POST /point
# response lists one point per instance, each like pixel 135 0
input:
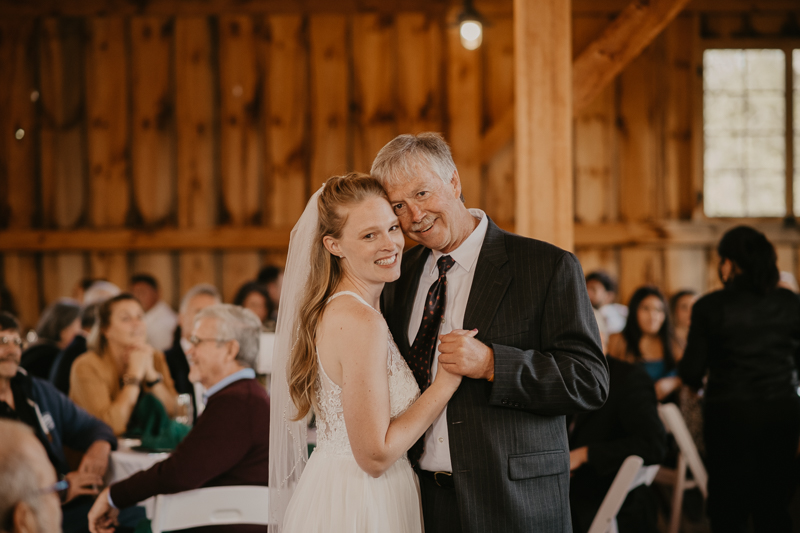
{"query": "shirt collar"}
pixel 245 373
pixel 466 255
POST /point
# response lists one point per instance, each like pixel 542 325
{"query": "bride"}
pixel 344 363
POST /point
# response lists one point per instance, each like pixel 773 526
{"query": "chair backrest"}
pixel 605 519
pixel 674 423
pixel 245 504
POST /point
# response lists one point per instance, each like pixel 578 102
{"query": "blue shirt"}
pixel 245 373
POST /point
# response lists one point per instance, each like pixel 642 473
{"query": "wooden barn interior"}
pixel 182 138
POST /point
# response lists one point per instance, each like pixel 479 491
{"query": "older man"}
pixel 29 489
pixel 195 300
pixel 229 444
pixel 497 458
pixel 56 422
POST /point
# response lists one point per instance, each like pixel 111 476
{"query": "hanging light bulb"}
pixel 470 27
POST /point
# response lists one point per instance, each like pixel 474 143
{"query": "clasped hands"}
pixel 462 354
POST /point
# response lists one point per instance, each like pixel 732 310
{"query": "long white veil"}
pixel 288 451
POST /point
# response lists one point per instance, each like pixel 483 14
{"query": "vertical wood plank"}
pixel 17 164
pixel 639 266
pixel 606 259
pixel 685 269
pixel 375 76
pixel 107 108
pixel 286 92
pixel 238 268
pixel 419 79
pixel 712 269
pixel 61 90
pixel 464 111
pixel 195 127
pixel 595 184
pixel 498 191
pixel 160 265
pixel 111 266
pixel 153 118
pixel 240 152
pixel 641 124
pixel 60 273
pixel 329 101
pixel 196 267
pixel 786 258
pixel 543 125
pixel 678 138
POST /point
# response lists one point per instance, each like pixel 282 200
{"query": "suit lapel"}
pixel 490 282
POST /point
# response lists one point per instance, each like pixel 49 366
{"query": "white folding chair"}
pixel 630 475
pixel 688 456
pixel 246 504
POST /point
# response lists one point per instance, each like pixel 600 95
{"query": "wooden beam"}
pixel 624 39
pixel 543 131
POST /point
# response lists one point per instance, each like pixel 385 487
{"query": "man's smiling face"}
pixel 428 208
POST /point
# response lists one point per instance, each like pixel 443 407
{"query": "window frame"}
pixel 787 45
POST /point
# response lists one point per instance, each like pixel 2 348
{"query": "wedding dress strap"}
pixel 354 295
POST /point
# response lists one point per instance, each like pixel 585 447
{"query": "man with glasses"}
pixel 56 422
pixel 28 488
pixel 229 443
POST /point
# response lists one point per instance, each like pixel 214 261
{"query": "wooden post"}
pixel 543 140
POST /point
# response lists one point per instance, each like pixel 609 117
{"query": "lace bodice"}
pixel 331 431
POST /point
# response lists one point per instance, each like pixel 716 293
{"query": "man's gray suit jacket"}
pixel 508 439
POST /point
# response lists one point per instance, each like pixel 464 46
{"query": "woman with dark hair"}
pixel 253 296
pixel 108 379
pixel 746 337
pixel 57 327
pixel 680 308
pixel 647 340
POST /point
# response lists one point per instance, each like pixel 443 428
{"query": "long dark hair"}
pixel 755 256
pixel 633 331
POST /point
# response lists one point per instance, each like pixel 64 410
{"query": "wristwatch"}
pixel 151 384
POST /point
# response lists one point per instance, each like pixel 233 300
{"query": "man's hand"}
pixel 81 483
pixel 102 517
pixel 95 460
pixel 460 353
pixel 578 457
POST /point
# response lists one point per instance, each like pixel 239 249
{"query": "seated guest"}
pixel 602 291
pixel 229 444
pixel 195 300
pixel 80 288
pixel 680 307
pixel 56 328
pixel 159 317
pixel 628 424
pixel 253 296
pixel 56 422
pixel 647 340
pixel 108 379
pixel 62 365
pixel 29 492
pixel 100 291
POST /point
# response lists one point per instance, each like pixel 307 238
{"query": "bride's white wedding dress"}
pixel 334 494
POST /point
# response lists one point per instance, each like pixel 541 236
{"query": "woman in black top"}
pixel 747 338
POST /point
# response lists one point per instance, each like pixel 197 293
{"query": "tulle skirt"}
pixel 334 495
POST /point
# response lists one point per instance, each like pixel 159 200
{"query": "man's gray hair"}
pixel 202 288
pixel 239 324
pixel 405 155
pixel 18 478
pixel 99 292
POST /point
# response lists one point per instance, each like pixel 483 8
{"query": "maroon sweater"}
pixel 229 445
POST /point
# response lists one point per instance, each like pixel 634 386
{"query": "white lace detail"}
pixel 331 431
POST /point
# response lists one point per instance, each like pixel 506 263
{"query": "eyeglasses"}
pixel 11 341
pixel 195 340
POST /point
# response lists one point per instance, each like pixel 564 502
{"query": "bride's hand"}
pixel 447 379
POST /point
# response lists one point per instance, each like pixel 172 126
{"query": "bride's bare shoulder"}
pixel 348 319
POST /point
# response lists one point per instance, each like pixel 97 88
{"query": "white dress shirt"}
pixel 436 457
pixel 161 321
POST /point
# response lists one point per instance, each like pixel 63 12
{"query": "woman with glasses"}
pixel 108 379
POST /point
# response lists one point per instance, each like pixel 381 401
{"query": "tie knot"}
pixel 445 263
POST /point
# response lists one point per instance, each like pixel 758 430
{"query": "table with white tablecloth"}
pixel 125 462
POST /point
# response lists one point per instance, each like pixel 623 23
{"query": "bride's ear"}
pixel 332 245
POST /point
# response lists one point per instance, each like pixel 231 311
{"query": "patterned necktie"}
pixel 424 347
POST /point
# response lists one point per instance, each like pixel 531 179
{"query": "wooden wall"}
pixel 186 145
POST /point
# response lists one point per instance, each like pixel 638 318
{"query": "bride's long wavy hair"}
pixel 326 274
